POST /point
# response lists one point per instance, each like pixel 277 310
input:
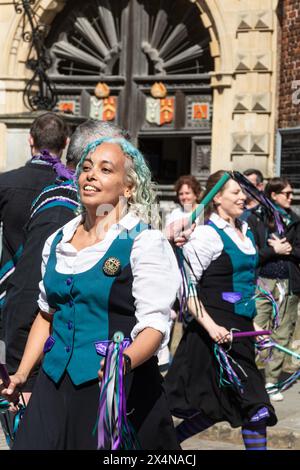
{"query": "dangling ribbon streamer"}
pixel 227 375
pixel 188 289
pixel 183 297
pixel 284 384
pixel 265 293
pixel 186 284
pixel 269 343
pixel 261 198
pixel 114 430
pixel 10 429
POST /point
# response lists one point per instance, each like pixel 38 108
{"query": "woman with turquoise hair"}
pixel 109 281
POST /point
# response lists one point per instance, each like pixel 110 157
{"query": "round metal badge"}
pixel 118 337
pixel 112 266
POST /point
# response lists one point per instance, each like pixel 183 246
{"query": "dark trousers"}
pixel 59 416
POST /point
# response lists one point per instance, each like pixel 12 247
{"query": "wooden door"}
pixel 130 45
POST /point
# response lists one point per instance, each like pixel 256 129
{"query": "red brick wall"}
pixel 289 90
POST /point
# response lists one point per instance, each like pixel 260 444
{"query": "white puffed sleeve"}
pixel 42 300
pixel 156 280
pixel 203 247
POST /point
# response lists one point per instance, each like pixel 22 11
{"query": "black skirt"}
pixel 193 381
pixel 63 416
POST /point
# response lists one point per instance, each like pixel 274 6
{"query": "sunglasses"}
pixel 287 193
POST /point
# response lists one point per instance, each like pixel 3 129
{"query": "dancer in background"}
pixel 222 258
pixel 188 192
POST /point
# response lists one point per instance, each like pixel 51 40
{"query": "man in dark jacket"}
pixel 18 188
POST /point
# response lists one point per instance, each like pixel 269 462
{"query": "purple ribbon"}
pixel 60 169
pixel 260 197
pixel 112 437
pixel 48 344
pixel 243 334
pixel 232 297
pixel 102 346
pixel 262 413
pixel 225 367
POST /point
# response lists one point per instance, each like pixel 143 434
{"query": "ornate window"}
pixel 131 48
pixel 90 38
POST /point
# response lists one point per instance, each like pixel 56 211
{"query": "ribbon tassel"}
pixel 227 375
pixel 114 430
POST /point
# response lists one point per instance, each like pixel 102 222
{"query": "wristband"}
pixel 126 364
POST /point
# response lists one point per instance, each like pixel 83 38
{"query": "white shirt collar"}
pixel 222 224
pixel 127 222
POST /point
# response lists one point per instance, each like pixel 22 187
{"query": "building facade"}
pixel 288 133
pixel 194 81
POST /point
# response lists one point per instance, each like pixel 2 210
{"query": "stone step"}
pixel 278 437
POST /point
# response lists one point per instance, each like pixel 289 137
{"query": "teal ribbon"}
pixel 200 208
pixel 264 294
pixel 4 409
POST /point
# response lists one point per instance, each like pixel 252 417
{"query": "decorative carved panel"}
pixel 259 144
pixel 261 103
pixel 262 62
pixel 256 103
pixel 244 21
pixel 248 143
pixel 240 143
pixel 259 20
pixel 242 103
pixel 243 62
pixel 263 20
pixel 201 155
pixel 249 61
pixel 198 111
pixel 68 104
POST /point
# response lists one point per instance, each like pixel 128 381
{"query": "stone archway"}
pixel 16 50
pixel 243 46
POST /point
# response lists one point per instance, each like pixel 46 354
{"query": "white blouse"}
pixel 205 245
pixel 156 276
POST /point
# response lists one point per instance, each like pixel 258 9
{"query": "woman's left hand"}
pixel 101 370
pixel 179 231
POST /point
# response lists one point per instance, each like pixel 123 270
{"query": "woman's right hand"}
pixel 101 370
pixel 219 334
pixel 12 392
pixel 280 245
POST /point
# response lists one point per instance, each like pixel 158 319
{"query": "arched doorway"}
pixel 154 57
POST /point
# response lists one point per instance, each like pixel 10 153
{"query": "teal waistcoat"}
pixel 229 283
pixel 90 307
